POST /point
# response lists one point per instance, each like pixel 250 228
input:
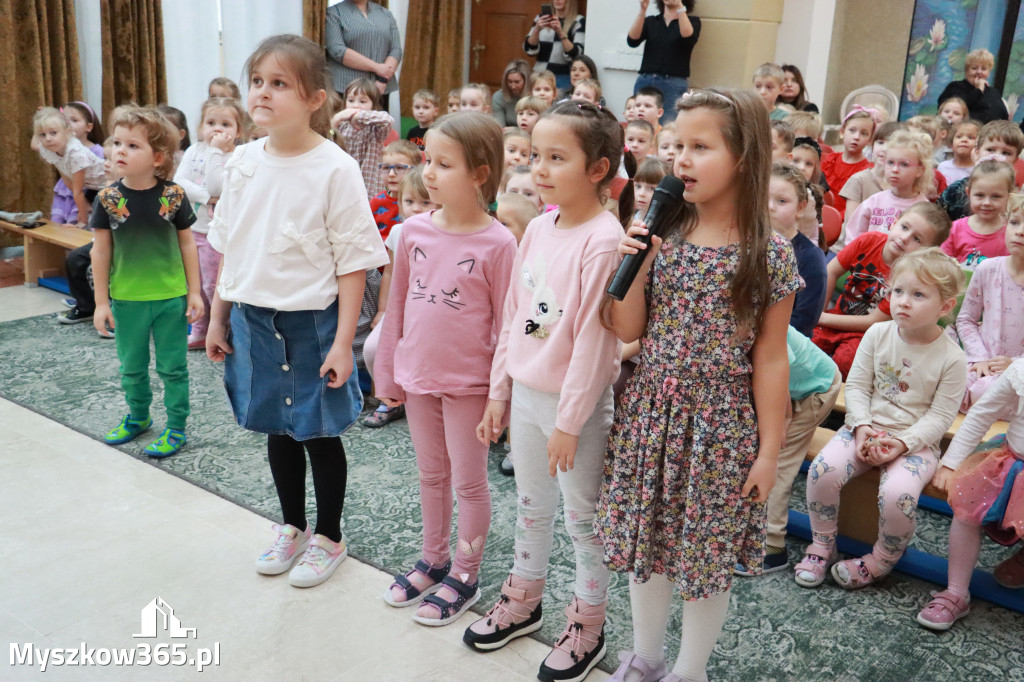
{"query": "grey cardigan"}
pixel 375 36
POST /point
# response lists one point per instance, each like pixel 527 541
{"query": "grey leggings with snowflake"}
pixel 901 484
pixel 532 422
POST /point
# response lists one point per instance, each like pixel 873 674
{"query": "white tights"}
pixel 702 623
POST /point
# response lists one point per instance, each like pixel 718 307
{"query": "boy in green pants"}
pixel 146 272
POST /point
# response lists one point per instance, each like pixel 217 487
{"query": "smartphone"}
pixel 546 10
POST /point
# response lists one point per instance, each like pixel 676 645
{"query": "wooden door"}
pixel 497 31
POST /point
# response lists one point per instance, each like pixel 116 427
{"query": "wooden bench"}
pixel 46 247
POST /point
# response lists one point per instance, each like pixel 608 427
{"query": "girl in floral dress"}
pixel 694 447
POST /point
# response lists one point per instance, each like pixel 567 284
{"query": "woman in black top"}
pixel 984 102
pixel 670 36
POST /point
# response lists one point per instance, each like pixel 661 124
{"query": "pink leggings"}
pixel 209 263
pixel 443 429
pixel 903 479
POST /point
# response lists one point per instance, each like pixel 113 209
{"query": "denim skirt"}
pixel 273 376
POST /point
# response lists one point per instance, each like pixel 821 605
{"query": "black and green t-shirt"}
pixel 146 262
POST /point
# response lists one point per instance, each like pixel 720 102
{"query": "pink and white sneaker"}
pixel 288 546
pixel 321 559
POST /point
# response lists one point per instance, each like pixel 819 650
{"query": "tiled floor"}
pixel 90 536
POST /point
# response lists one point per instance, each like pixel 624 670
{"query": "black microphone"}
pixel 668 192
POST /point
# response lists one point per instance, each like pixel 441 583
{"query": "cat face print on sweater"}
pixel 544 308
pixel 421 290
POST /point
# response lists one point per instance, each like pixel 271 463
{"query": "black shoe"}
pixel 506 467
pixel 74 316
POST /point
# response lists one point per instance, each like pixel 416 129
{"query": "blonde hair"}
pixel 859 113
pixel 479 135
pixel 936 218
pixel 427 96
pixel 515 132
pixel 225 82
pixel 981 57
pixel 412 184
pixel 770 70
pixel 522 209
pixel 241 119
pixel 933 267
pixel 926 124
pixel 956 100
pixel 589 83
pixel 406 149
pixel 48 114
pixel 1015 204
pixel 534 104
pixel 990 168
pixel 307 62
pixel 161 135
pixel 479 87
pixel 807 121
pixel 921 146
pixel 544 76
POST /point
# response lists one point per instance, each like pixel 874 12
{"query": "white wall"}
pixel 608 22
pixel 805 39
pixel 192 55
pixel 87 20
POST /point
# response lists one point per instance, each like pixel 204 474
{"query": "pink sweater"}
pixel 877 213
pixel 445 312
pixel 970 248
pixel 552 339
pixel 991 319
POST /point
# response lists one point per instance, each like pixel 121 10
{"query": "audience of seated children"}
pixel 399 158
pixel 426 107
pixel 79 168
pixel 475 97
pixel 84 125
pixel 981 235
pixel 201 175
pixel 528 111
pixel 767 81
pixel 908 172
pixel 814 386
pixel 517 148
pixel 666 143
pixel 964 142
pixel 901 396
pixel 649 105
pixel 787 199
pixel 587 90
pixel 868 260
pixel 991 319
pixel 222 86
pixel 363 127
pixel 869 181
pixel 453 100
pixel 998 140
pixel 984 491
pixel 412 200
pixel 640 139
pixel 519 180
pixel 782 140
pixel 515 212
pixel 857 130
pixel 544 86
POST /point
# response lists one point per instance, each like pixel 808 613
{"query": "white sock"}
pixel 650 603
pixel 702 624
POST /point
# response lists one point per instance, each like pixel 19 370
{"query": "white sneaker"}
pixel 288 547
pixel 319 562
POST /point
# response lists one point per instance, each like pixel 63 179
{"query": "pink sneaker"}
pixel 943 610
pixel 321 559
pixel 811 570
pixel 516 613
pixel 854 574
pixel 1010 573
pixel 579 648
pixel 288 546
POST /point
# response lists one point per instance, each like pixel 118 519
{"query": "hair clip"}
pixel 875 114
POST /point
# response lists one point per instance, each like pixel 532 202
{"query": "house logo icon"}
pixel 158 615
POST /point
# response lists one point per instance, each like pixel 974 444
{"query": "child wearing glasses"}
pixel 363 128
pixel 400 157
pixel 908 170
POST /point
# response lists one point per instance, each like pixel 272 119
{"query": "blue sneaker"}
pixel 127 430
pixel 772 563
pixel 169 442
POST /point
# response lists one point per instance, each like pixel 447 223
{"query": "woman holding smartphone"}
pixel 670 36
pixel 556 39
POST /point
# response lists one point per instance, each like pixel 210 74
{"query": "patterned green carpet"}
pixel 776 630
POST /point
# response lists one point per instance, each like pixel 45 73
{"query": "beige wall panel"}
pixel 730 50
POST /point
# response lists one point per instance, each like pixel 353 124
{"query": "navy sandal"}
pixel 412 594
pixel 451 611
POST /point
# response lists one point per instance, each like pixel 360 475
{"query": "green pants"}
pixel 134 321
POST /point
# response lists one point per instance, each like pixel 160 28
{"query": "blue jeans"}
pixel 671 89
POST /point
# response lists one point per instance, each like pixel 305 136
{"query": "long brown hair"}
pixel 306 61
pixel 747 134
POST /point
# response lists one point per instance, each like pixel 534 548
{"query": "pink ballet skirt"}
pixel 988 491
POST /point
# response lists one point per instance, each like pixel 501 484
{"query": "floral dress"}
pixel 685 431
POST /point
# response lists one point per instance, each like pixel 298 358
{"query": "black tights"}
pixel 330 474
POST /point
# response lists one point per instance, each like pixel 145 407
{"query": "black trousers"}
pixel 79 267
